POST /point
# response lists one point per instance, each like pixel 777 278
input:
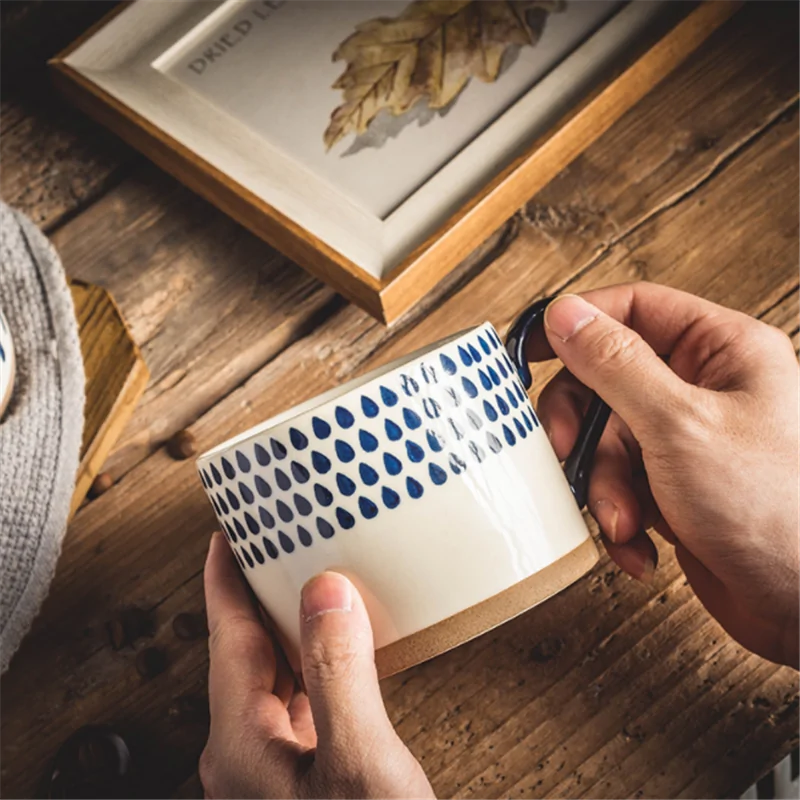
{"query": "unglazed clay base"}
pixel 480 618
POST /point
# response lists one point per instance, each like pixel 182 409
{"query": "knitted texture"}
pixel 41 430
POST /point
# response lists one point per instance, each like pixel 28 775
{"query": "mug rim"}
pixel 335 394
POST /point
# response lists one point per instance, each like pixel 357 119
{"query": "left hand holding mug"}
pixel 268 738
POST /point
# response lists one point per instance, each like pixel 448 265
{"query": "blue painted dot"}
pixel 448 365
pixel 240 529
pixel 410 386
pixel 345 484
pixel 286 543
pixel 367 441
pixel 344 417
pixel 388 396
pixel 534 418
pixel 284 512
pixel 486 381
pixel 321 428
pixel 469 387
pixel 233 500
pixel 473 351
pixel 262 487
pixel 511 397
pixel 526 420
pixel 243 461
pixel 345 518
pixel 484 346
pixel 411 419
pixel 435 442
pixel 495 339
pixel 368 509
pixel 278 449
pixel 414 488
pixel 299 440
pixel 520 428
pixel 368 474
pixel 502 367
pixel 390 497
pixel 457 464
pixel 248 558
pixel 432 408
pixel 302 505
pixel 320 462
pixel 228 469
pixel 215 474
pixel 247 493
pixel 429 374
pixel 488 409
pixel 457 430
pixel 300 473
pixel 522 396
pixel 325 528
pixel 510 438
pixel 369 407
pixel 266 518
pixel 251 523
pixel 494 443
pixel 344 451
pixel 262 456
pixel 204 479
pixel 493 375
pixel 269 546
pixel 304 536
pixel 231 532
pixel 474 419
pixel 240 560
pixel 466 358
pixel 256 553
pixel 415 452
pixel 324 496
pixel 393 464
pixel 216 507
pixel 222 504
pixel 393 430
pixel 477 452
pixel 502 405
pixel 282 479
pixel 438 475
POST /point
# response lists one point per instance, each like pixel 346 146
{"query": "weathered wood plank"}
pixel 786 316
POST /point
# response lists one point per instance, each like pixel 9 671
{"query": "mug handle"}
pixel 579 461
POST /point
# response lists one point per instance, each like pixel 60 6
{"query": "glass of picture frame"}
pixel 375 142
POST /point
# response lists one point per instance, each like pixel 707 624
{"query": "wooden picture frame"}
pixel 531 156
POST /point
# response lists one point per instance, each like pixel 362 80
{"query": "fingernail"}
pixel 607 515
pixel 568 314
pixel 325 593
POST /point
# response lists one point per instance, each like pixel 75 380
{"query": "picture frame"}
pixel 386 248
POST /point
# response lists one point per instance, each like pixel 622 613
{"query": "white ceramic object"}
pixel 429 482
pixel 7 364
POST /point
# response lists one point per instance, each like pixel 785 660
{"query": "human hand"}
pixel 703 446
pixel 268 738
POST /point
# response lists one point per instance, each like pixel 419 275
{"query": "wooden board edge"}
pixel 212 184
pixel 545 158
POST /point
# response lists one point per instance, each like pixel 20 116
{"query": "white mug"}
pixel 429 482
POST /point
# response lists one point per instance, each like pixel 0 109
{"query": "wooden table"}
pixel 612 688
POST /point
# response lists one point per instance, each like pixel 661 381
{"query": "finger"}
pixel 302 721
pixel 638 557
pixel 339 669
pixel 647 504
pixel 561 407
pixel 242 658
pixel 617 363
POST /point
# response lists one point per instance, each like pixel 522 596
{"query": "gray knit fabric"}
pixel 40 433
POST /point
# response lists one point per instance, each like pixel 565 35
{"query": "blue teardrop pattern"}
pixel 393 430
pixel 511 397
pixel 246 493
pixel 344 452
pixel 488 409
pixel 222 504
pixel 242 533
pixel 256 553
pixel 217 509
pixel 414 488
pixel 474 419
pixel 298 439
pixel 243 461
pixel 411 419
pixel 344 417
pixel 321 428
pixel 390 497
pixel 304 536
pixel 215 474
pixel 493 375
pixel 388 397
pixel 409 386
pixel 486 381
pixel 435 442
pixel 367 508
pixel 231 532
pixel 324 528
pixel 345 518
pixel 476 356
pixel 494 443
pixel 438 475
pixel 469 387
pixel 414 451
pixel 432 409
pixel 457 430
pixel 367 441
pixel 502 367
pixel 321 463
pixel 457 464
pixel 369 407
pixel 267 520
pixel 454 396
pixel 448 365
pixel 240 560
pixel 228 469
pixel 302 505
pixel 251 523
pixel 286 543
pixel 484 346
pixel 278 449
pixel 269 546
pixel 368 474
pixel 534 418
pixel 510 438
pixel 262 487
pixel 477 451
pixel 233 500
pixel 465 357
pixel 323 494
pixel 282 479
pixel 502 405
pixel 248 558
pixel 393 464
pixel 522 396
pixel 526 420
pixel 520 429
pixel 284 512
pixel 299 472
pixel 346 485
pixel 262 456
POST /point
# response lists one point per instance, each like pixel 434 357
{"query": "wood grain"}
pixel 609 689
pixel 116 376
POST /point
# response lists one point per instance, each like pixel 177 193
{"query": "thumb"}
pixel 616 362
pixel 339 672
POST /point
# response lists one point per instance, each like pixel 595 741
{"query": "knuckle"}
pixel 615 347
pixel 330 662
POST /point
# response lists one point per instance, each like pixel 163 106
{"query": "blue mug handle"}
pixel 579 461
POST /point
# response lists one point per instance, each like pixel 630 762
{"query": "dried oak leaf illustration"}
pixel 431 50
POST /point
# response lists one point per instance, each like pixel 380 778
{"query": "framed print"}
pixel 375 142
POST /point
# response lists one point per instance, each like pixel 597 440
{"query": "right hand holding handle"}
pixel 703 446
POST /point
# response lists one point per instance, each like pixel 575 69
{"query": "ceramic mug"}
pixel 7 364
pixel 429 482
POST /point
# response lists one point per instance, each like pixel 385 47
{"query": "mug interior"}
pixel 333 394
